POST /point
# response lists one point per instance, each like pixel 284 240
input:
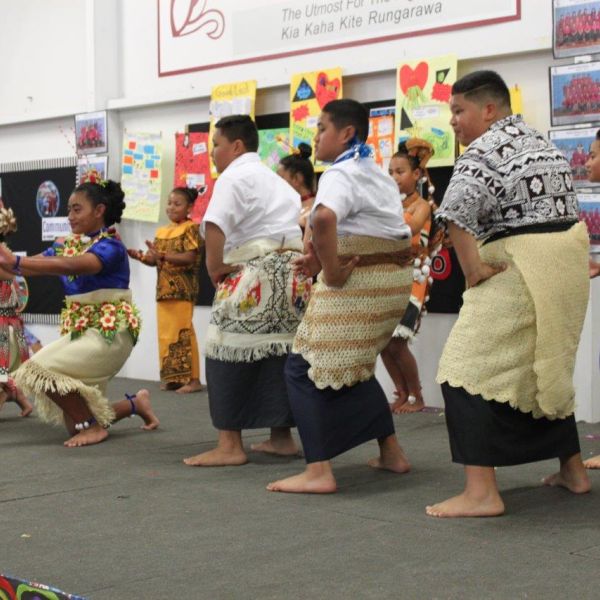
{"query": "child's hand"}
pixel 217 275
pixel 308 264
pixel 338 277
pixel 155 255
pixel 136 254
pixel 484 272
pixel 594 269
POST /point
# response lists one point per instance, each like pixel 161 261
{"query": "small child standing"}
pixel 361 246
pixel 408 167
pixel 175 253
pixel 252 236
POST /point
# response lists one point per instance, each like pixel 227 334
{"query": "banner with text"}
pixel 309 93
pixel 194 36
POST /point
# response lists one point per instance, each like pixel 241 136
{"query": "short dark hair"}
pixel 239 127
pixel 481 85
pixel 189 194
pixel 300 163
pixel 349 112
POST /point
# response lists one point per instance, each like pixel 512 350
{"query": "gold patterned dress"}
pixel 176 292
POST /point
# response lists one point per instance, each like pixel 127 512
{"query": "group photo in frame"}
pixel 575 27
pixel 589 212
pixel 575 93
pixel 91 133
pixel 575 145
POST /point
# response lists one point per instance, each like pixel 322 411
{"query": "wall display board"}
pixel 141 175
pixel 575 93
pixel 575 145
pixel 192 169
pixel 381 134
pixel 273 145
pixel 423 105
pixel 575 27
pixel 309 93
pixel 230 99
pixel 38 192
pixel 589 211
pixel 196 36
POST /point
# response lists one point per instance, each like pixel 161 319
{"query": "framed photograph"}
pixel 92 163
pixel 575 27
pixel 575 93
pixel 575 145
pixel 589 211
pixel 90 133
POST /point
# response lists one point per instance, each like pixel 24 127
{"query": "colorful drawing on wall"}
pixel 192 169
pixel 230 99
pixel 576 27
pixel 381 134
pixel 90 133
pixel 589 211
pixel 575 93
pixel 575 145
pixel 86 164
pixel 309 93
pixel 423 105
pixel 273 145
pixel 141 175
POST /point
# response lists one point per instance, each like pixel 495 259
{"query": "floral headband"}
pixel 8 222
pixel 93 176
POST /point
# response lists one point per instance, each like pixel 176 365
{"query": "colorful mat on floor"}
pixel 18 589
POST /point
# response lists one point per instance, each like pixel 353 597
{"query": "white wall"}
pixel 139 100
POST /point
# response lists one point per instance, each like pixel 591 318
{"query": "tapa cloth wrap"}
pixel 83 365
pixel 517 333
pixel 344 329
pixel 257 309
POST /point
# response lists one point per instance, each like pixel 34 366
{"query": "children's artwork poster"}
pixel 575 145
pixel 589 211
pixel 273 145
pixel 575 93
pixel 91 133
pixel 423 105
pixel 91 163
pixel 192 169
pixel 141 175
pixel 576 27
pixel 230 99
pixel 381 134
pixel 309 93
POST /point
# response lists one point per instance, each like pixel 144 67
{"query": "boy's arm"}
pixel 215 244
pixel 324 239
pixel 475 270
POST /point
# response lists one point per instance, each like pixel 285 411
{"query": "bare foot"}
pixel 170 387
pixel 574 480
pixel 592 463
pixel 24 404
pixel 416 406
pixel 398 403
pixel 217 458
pixel 190 388
pixel 305 484
pixel 278 447
pixel 144 409
pixel 396 462
pixel 465 505
pixel 94 435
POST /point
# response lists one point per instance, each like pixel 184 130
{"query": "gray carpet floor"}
pixel 126 520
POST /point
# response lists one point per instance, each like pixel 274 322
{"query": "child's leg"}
pixel 391 362
pixel 391 456
pixel 410 370
pixel 229 452
pixel 19 397
pixel 592 463
pixel 572 475
pixel 280 443
pixel 317 478
pixel 193 385
pixel 138 404
pixel 480 497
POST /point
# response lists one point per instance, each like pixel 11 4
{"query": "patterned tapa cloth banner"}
pixel 309 93
pixel 192 169
pixel 141 175
pixel 13 588
pixel 38 192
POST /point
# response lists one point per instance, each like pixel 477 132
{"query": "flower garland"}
pixel 107 318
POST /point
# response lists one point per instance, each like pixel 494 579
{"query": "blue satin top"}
pixel 115 268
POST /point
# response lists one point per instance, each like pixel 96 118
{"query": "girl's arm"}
pixel 324 239
pixel 144 257
pixel 215 244
pixel 416 220
pixel 474 269
pixel 180 259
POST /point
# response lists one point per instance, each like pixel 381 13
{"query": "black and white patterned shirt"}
pixel 509 177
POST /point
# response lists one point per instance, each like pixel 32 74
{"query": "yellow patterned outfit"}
pixel 176 292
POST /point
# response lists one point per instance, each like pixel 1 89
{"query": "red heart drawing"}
pixel 326 90
pixel 409 77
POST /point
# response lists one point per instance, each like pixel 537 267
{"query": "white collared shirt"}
pixel 249 201
pixel 366 201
